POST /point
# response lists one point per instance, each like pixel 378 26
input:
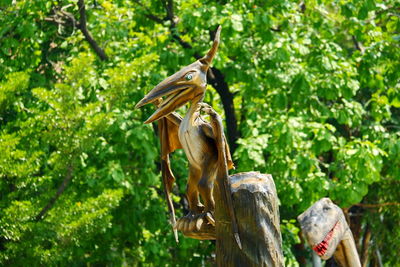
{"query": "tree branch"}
pixel 377 205
pixel 357 44
pixel 149 15
pixel 82 26
pixel 217 80
pixel 60 190
pixel 169 7
pixel 62 17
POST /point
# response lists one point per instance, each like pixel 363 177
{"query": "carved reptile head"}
pixel 185 85
pixel 323 225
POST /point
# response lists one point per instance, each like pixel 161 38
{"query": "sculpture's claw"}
pixel 198 209
pixel 210 218
pixel 198 224
pixel 207 109
pixel 204 105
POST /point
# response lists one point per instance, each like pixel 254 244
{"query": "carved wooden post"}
pixel 257 216
pixel 251 211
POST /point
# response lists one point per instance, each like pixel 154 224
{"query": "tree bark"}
pixel 255 203
pixel 82 26
pixel 62 17
pixel 217 80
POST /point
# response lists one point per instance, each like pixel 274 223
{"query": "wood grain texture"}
pixel 256 208
pixel 255 202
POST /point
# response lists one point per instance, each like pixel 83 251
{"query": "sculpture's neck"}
pixel 193 111
pixel 346 252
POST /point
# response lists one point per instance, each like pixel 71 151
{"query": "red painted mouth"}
pixel 322 247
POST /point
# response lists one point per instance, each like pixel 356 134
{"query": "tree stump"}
pixel 256 210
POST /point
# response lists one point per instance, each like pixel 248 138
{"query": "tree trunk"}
pixel 256 210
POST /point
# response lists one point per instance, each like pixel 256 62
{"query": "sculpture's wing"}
pixel 224 161
pixel 208 131
pixel 168 128
pixel 229 161
pixel 171 122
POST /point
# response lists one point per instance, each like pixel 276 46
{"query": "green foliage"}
pixel 290 233
pixel 316 94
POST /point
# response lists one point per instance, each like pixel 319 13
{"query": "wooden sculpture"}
pixel 202 141
pixel 252 194
pixel 327 232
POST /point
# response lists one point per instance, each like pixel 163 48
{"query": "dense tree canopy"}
pixel 310 91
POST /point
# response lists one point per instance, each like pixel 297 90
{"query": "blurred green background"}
pixel 310 92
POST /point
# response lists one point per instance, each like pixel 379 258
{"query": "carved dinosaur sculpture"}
pixel 204 143
pixel 327 232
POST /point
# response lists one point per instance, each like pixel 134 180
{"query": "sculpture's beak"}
pixel 181 87
pixel 176 91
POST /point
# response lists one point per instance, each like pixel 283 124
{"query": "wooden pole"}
pixel 255 204
pixel 256 210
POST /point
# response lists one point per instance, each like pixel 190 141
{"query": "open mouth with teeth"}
pixel 322 247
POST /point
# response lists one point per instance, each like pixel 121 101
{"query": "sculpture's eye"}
pixel 188 77
pixel 326 208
